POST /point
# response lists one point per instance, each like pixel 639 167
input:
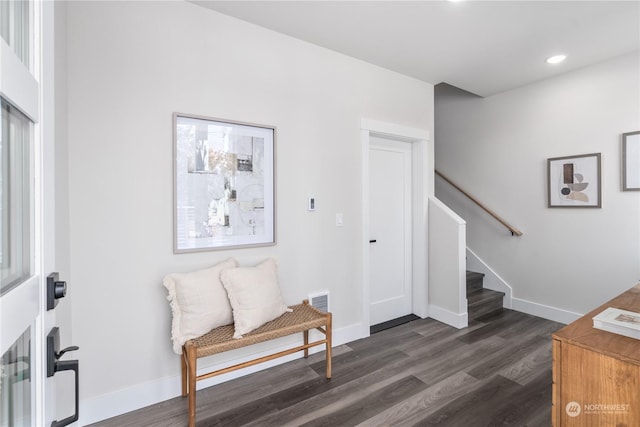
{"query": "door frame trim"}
pixel 422 188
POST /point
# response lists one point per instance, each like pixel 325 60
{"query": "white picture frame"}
pixel 224 184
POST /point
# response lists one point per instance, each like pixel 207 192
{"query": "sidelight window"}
pixel 15 197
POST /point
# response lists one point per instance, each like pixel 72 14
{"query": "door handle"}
pixel 372 241
pixel 69 365
pixel 55 365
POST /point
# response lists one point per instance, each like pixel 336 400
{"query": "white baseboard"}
pixel 544 311
pixel 140 395
pixel 457 320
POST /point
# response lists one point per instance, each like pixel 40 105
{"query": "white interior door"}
pixel 389 229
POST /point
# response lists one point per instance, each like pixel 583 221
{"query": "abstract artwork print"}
pixel 574 181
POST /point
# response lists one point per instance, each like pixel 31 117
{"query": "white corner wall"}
pixel 130 66
pixel 568 260
pixel 447 265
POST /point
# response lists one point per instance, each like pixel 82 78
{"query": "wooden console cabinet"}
pixel 596 374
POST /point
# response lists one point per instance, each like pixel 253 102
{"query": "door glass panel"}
pixel 15 197
pixel 15 383
pixel 14 27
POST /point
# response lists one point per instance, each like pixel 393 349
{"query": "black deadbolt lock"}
pixel 56 289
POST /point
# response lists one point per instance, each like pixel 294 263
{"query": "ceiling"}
pixel 483 47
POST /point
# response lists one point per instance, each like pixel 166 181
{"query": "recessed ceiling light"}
pixel 556 59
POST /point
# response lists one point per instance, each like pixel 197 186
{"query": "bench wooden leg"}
pixel 328 345
pixel 305 334
pixel 183 369
pixel 192 371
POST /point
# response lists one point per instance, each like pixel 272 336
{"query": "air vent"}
pixel 320 300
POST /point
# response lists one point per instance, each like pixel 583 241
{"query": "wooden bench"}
pixel 303 318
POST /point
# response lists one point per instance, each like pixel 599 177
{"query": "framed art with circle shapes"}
pixel 574 181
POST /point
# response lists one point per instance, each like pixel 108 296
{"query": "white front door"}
pixel 26 254
pixel 389 229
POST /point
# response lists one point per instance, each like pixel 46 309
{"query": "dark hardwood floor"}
pixel 497 372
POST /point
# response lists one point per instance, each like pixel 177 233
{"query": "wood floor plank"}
pixel 425 347
pixel 359 361
pixel 531 326
pixel 526 323
pixel 461 359
pixel 435 342
pixel 390 338
pixel 427 327
pixel 372 380
pixel 527 368
pixel 343 373
pixel 250 409
pixel 412 410
pixel 524 403
pixel 494 393
pixel 370 404
pixel 497 323
pixel 541 418
pixel 234 393
pixel 337 398
pixel 507 356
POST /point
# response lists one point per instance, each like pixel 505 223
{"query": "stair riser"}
pixel 474 284
pixel 492 305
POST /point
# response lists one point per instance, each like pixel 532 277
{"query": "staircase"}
pixel 481 301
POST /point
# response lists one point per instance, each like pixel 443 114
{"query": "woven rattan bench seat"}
pixel 302 318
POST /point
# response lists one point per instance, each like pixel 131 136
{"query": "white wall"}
pixel 130 66
pixel 447 266
pixel 569 260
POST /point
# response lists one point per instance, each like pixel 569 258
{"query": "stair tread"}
pixel 482 295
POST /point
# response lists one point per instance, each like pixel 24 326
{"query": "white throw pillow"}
pixel 198 302
pixel 254 294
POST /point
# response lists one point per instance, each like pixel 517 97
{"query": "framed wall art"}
pixel 574 181
pixel 631 161
pixel 224 184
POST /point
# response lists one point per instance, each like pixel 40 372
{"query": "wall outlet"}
pixel 339 220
